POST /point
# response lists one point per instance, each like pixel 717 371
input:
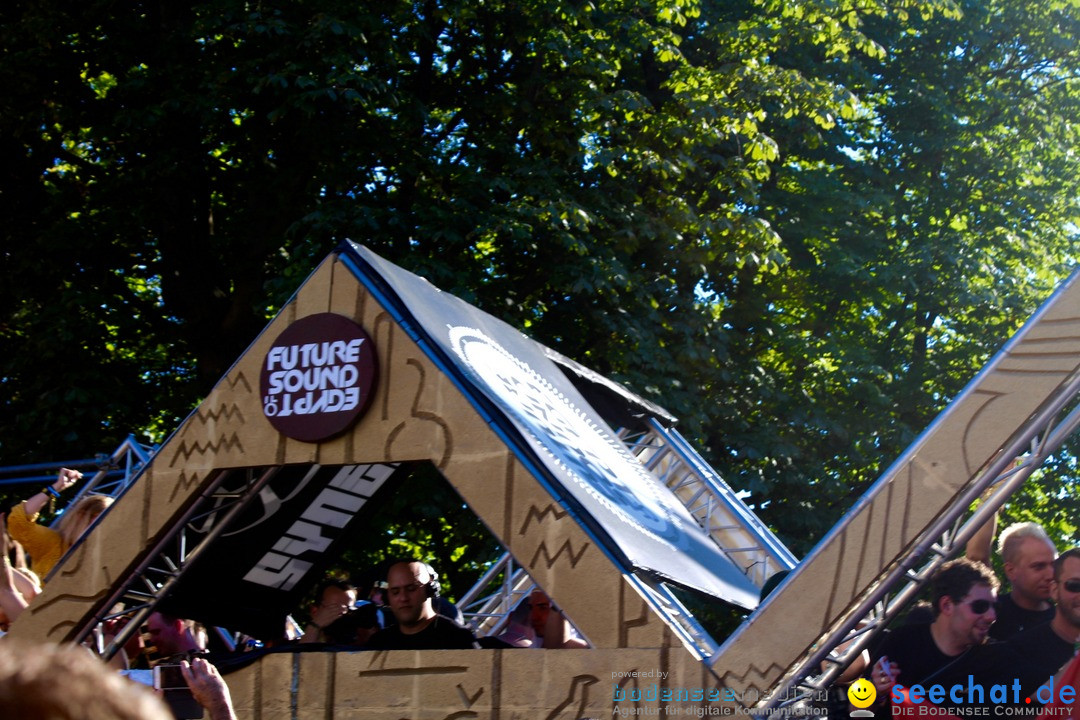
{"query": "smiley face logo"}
pixel 862 693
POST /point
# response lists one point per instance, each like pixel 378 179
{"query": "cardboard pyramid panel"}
pixel 417 413
pixel 932 475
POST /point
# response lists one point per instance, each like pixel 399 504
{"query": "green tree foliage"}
pixel 800 226
pixel 426 520
pixel 921 229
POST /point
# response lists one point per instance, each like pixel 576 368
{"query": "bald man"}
pixel 412 588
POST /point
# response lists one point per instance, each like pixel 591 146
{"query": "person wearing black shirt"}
pixel 412 588
pixel 441 633
pixel 1013 619
pixel 963 608
pixel 1027 556
pixel 1030 658
pixel 913 653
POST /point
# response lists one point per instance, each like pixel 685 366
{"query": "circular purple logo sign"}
pixel 318 377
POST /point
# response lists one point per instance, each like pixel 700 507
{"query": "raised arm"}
pixel 978 548
pixel 65 479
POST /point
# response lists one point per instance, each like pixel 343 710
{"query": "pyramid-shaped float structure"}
pixel 365 372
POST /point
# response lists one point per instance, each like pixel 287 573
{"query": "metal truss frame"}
pixel 161 567
pixel 1036 440
pixel 716 507
pixel 116 472
pixel 112 473
pixel 490 611
pixel 681 621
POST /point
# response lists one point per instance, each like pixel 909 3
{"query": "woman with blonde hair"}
pixel 45 545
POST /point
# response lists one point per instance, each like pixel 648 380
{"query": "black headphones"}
pixel 433 586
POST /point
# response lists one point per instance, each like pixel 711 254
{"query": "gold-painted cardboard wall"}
pixel 1043 356
pixel 517 684
pixel 417 414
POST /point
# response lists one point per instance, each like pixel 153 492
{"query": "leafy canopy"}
pixel 799 226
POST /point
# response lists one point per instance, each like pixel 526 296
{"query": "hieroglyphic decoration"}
pixel 633 613
pixel 230 414
pixel 223 442
pixel 513 684
pixel 575 702
pixel 543 556
pixel 539 514
pixel 418 414
pixel 384 331
pixel 549 559
pixel 455 684
pixel 234 381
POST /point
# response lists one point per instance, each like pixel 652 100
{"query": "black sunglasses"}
pixel 981 606
pixel 1072 586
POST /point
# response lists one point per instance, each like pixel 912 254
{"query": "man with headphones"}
pixel 412 588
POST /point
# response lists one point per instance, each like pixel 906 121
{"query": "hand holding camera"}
pixel 188 688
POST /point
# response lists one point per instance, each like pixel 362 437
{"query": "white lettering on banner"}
pixel 333 507
pixel 314 354
pixel 321 510
pixel 336 376
pixel 278 571
pixel 362 479
pixel 301 537
pixel 308 404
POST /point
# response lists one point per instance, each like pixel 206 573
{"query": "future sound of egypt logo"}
pixel 318 377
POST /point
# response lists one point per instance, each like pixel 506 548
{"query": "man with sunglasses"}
pixel 1029 658
pixel 963 608
pixel 1039 652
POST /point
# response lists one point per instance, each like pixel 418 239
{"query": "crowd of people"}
pixel 998 648
pixel 405 610
pixel 967 632
pixel 409 612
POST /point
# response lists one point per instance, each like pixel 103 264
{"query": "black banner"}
pixel 275 551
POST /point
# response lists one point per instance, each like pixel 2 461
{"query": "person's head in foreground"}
pixel 67 682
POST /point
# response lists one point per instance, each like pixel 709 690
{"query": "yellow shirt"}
pixel 42 544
